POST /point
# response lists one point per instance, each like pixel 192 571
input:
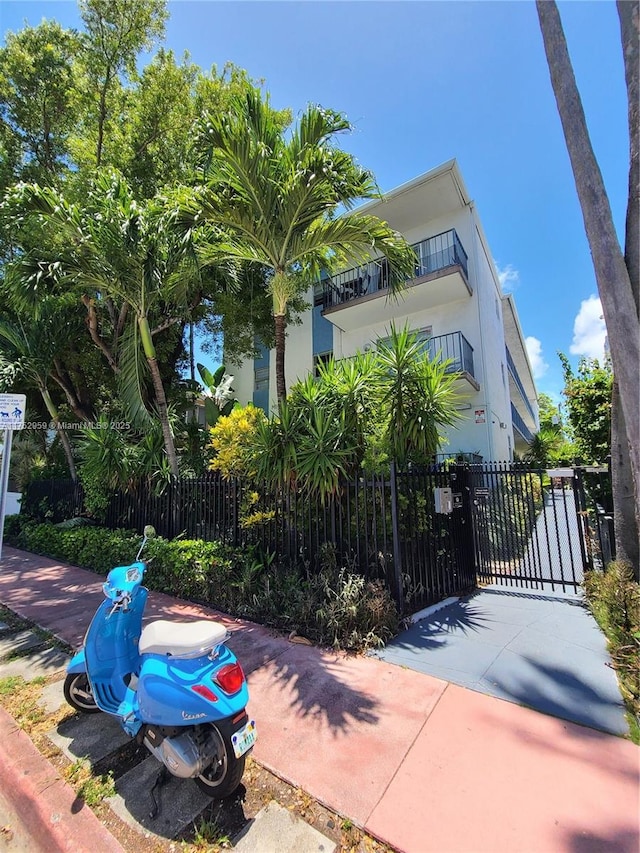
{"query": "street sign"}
pixel 12 408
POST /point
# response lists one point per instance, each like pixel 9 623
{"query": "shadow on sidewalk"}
pixel 336 690
pixel 431 633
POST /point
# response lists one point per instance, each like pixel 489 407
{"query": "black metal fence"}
pixel 53 500
pixel 498 523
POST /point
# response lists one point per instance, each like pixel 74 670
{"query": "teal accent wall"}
pixel 261 395
pixel 322 332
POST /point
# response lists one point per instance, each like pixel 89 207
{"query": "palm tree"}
pixel 274 192
pixel 119 252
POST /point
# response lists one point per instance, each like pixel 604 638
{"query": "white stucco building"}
pixel 455 301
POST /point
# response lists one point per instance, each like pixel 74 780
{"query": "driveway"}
pixel 538 649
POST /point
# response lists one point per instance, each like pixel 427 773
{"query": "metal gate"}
pixel 533 528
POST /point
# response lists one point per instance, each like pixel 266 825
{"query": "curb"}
pixel 55 818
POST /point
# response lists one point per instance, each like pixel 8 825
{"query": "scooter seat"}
pixel 181 639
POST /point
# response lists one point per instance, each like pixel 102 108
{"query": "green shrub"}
pixel 614 599
pixel 194 569
pixel 334 607
pixel 91 547
pixel 13 526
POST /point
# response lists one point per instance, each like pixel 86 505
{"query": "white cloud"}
pixel 508 276
pixel 534 350
pixel 589 331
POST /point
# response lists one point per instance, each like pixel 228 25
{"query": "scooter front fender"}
pixel 77 663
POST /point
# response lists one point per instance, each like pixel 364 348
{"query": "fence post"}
pixel 584 526
pixel 466 541
pixel 397 556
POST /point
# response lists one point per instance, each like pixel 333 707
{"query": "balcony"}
pixel 513 373
pixel 352 299
pixel 456 349
pixel 520 425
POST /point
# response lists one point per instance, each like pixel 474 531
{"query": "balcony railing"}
pixel 520 425
pixel 512 369
pixel 436 253
pixel 455 348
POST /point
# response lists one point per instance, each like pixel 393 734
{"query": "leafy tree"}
pixel 549 413
pixel 121 254
pixel 38 100
pixel 274 190
pixel 30 349
pixel 115 35
pixel 617 274
pixel 588 396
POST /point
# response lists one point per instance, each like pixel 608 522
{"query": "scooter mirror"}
pixel 149 531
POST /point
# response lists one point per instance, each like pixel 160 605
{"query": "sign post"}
pixel 12 408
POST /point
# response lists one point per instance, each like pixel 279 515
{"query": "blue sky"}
pixel 427 81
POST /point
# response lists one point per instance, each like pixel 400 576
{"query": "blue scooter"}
pixel 174 686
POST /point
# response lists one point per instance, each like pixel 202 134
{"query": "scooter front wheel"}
pixel 223 775
pixel 78 693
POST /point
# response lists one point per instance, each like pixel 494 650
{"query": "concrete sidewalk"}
pixel 417 762
pixel 543 650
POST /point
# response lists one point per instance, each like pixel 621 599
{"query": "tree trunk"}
pixel 192 353
pixel 64 438
pixel 629 14
pixel 161 399
pixel 61 376
pixel 614 284
pixel 282 289
pixel 626 530
pixel 281 384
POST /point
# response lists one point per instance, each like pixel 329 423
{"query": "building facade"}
pixel 454 302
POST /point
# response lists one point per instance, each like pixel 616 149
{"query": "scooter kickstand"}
pixel 163 778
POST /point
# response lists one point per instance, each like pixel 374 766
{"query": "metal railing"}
pixel 516 376
pixel 455 348
pixel 520 425
pixel 433 254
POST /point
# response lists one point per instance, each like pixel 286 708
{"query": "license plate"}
pixel 244 738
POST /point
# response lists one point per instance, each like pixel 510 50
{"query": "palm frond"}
pixel 132 376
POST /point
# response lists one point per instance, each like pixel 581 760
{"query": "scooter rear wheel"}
pixel 223 776
pixel 78 693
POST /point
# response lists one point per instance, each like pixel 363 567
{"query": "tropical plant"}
pixel 274 191
pixel 389 404
pixel 543 447
pixel 220 400
pixel 418 393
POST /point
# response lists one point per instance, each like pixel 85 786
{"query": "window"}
pixel 504 378
pixel 261 379
pixel 321 358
